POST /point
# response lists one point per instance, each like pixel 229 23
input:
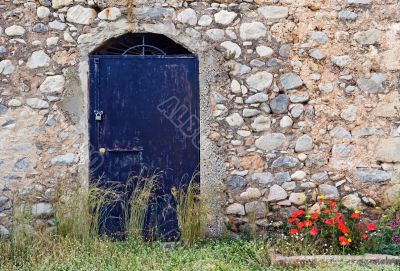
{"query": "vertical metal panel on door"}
pixel 144 115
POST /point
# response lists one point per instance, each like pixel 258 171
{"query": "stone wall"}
pixel 298 98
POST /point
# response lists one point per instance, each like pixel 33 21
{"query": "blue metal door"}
pixel 144 117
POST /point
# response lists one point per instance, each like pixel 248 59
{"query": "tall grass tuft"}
pixel 190 212
pixel 79 211
pixel 139 192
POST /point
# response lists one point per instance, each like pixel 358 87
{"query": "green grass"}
pixel 69 254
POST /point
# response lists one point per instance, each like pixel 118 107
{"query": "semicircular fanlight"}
pixel 141 44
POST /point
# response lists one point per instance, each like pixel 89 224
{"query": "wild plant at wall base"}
pixel 326 228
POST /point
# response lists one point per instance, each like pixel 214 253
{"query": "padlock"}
pixel 98 115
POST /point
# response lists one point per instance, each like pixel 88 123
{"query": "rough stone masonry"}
pixel 299 98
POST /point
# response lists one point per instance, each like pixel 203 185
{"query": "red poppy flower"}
pixel 343 241
pixel 308 223
pixel 300 225
pixel 371 227
pixel 315 216
pixel 291 219
pixel 343 229
pixel 327 211
pixel 364 236
pixel 313 231
pixel 297 213
pixel 328 221
pixel 355 215
pixel 332 203
pixel 293 231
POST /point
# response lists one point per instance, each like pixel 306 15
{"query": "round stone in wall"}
pixel 38 59
pixel 225 17
pixel 188 16
pixel 110 14
pixel 14 30
pixel 81 15
pixel 252 31
pixel 279 104
pixel 43 12
pixel 260 81
pixel 271 141
pixel 304 143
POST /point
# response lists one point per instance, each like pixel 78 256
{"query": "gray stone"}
pixel 205 20
pixel 286 122
pixel 319 37
pixel 372 176
pixel 38 59
pixel 252 31
pixel 4 233
pixel 240 69
pixel 261 123
pixel 297 110
pixel 304 144
pixel 57 25
pixel 113 13
pixel 351 202
pixel 3 200
pixel 3 50
pixel 42 210
pixel 21 164
pixel 3 109
pixel 299 97
pixel 14 103
pixel 236 182
pixel 271 141
pixel 325 87
pixel 282 177
pixel 37 103
pixel 234 120
pixel 276 193
pixel 349 114
pixel 235 209
pixel 225 17
pixel 260 81
pixel 329 191
pixel 290 81
pixel 264 51
pixel 298 198
pixel 359 3
pixel 341 61
pixel 81 15
pixel 298 175
pixel 232 49
pixel 249 112
pixel 262 178
pixel 347 15
pixel 66 159
pixel 316 54
pixel 251 193
pixel 279 104
pixel 340 151
pixel 43 12
pixel 284 50
pixel 215 34
pixel 188 16
pixel 339 132
pixel 40 28
pixel 286 162
pixel 14 30
pixel 374 84
pixel 392 195
pixel 274 12
pixel 368 37
pixel 256 208
pixel 6 67
pixel 388 150
pixel 289 186
pixel 257 98
pixel 56 4
pixel 368 131
pixel 320 177
pixel 53 84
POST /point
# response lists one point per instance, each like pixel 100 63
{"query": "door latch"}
pixel 98 115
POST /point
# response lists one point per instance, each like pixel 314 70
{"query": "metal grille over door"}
pixel 144 108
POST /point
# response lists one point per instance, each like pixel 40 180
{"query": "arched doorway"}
pixel 144 118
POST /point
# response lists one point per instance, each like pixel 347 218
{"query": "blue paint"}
pixel 150 122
